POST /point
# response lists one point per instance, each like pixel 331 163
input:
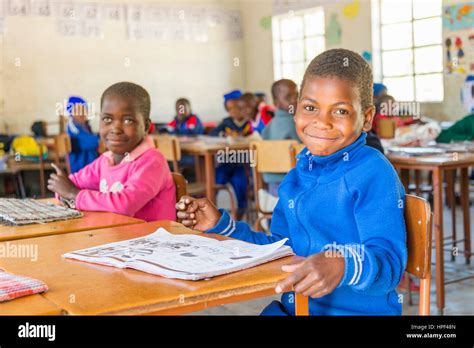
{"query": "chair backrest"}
pixel 294 150
pixel 62 149
pixel 418 219
pixel 418 225
pixel 170 148
pixel 181 185
pixel 270 156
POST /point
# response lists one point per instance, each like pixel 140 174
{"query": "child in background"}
pixel 133 177
pixel 266 111
pixel 83 142
pixel 185 122
pixel 285 97
pixel 236 125
pixel 341 208
pixel 248 107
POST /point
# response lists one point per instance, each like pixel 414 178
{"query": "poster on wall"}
pixel 18 7
pixel 41 8
pixel 459 16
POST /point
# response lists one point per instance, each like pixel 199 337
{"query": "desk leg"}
pixel 198 168
pixel 438 226
pixel 450 182
pixel 466 213
pixel 405 177
pixel 210 176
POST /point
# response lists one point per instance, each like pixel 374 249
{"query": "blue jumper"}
pixel 84 145
pixel 351 201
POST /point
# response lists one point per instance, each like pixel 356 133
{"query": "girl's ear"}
pixel 147 125
pixel 368 118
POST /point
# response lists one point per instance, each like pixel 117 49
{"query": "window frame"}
pixel 278 73
pixel 380 50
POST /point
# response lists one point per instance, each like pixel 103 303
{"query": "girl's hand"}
pixel 59 183
pixel 314 276
pixel 199 214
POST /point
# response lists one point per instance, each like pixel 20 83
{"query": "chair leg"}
pixel 233 210
pixel 424 306
pixel 257 226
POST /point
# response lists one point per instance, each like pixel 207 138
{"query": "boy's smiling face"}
pixel 329 115
pixel 122 126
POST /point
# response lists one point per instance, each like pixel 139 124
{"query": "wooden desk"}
pixel 440 165
pixel 90 221
pixel 203 147
pixel 30 305
pixel 88 289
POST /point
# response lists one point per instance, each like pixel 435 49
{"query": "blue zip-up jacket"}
pixel 352 201
pixel 84 145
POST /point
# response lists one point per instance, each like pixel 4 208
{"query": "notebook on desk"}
pixel 18 212
pixel 183 256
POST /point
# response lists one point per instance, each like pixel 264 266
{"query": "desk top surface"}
pixel 89 221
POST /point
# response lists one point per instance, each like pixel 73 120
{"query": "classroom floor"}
pixel 459 296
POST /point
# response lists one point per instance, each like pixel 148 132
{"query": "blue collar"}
pixel 306 156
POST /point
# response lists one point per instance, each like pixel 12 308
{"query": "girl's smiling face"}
pixel 329 115
pixel 122 127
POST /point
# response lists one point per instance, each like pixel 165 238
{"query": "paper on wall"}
pixel 19 7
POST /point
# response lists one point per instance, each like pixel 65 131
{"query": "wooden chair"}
pixel 418 224
pixel 60 148
pixel 269 160
pixel 170 148
pixel 387 128
pixel 181 184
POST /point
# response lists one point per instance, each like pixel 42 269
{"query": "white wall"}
pixel 54 67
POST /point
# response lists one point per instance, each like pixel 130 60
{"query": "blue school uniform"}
pixel 84 145
pixel 351 201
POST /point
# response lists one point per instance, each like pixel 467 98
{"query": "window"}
pixel 409 48
pixel 297 38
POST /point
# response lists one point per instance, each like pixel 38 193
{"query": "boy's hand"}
pixel 199 214
pixel 314 276
pixel 59 183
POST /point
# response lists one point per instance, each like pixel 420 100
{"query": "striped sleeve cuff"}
pixel 225 226
pixel 353 257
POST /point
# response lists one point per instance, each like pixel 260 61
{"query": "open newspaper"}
pixel 182 256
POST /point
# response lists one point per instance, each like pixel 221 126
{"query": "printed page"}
pixel 182 256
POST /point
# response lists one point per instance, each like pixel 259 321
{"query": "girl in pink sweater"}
pixel 132 178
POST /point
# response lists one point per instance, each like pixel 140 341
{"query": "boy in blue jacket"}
pixel 341 208
pixel 84 143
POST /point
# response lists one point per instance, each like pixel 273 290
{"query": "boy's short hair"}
pixel 345 65
pixel 277 86
pixel 133 91
pixel 249 97
pixel 183 101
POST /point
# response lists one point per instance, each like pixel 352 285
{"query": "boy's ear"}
pixel 368 118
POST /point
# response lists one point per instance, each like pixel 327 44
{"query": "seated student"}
pixel 185 122
pixel 285 97
pixel 132 178
pixel 341 208
pixel 236 125
pixel 84 143
pixel 266 111
pixel 248 107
